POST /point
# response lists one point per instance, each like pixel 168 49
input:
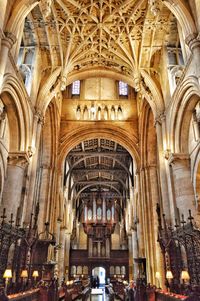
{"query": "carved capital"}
pixel 20 159
pixel 193 41
pixel 154 6
pixel 177 158
pixel 46 7
pixel 9 39
pixel 63 83
pixel 39 117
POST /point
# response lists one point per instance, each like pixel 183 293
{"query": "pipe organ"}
pixel 99 219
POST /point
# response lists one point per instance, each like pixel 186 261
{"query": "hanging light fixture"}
pixel 78 112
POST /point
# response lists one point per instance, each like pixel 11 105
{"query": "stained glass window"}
pixel 123 88
pixel 99 213
pixel 76 87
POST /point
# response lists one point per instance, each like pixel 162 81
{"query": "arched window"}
pixel 76 87
pixel 99 213
pixel 108 214
pixel 123 88
pixel 89 214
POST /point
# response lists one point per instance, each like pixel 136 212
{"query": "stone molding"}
pixel 8 40
pixel 20 159
pixel 173 158
pixel 193 41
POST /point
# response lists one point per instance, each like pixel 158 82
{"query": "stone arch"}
pixel 119 135
pixel 14 97
pixel 182 14
pixel 185 99
pixel 19 12
pixel 156 99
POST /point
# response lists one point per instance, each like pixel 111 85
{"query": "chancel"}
pixel 99 150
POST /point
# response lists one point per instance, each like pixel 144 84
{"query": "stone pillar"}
pixel 193 41
pixel 161 136
pixel 6 44
pixel 67 249
pixel 157 258
pixel 61 255
pixel 135 253
pixel 184 190
pixel 58 224
pixel 33 192
pixel 12 193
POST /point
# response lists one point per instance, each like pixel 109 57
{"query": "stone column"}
pixel 6 44
pixel 67 249
pixel 12 193
pixel 157 258
pixel 58 224
pixel 161 135
pixel 61 255
pixel 193 41
pixel 33 192
pixel 135 252
pixel 184 190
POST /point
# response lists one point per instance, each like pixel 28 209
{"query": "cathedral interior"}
pixel 99 149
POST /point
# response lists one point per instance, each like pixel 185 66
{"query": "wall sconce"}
pixel 185 276
pixel 169 275
pixel 7 275
pixel 35 275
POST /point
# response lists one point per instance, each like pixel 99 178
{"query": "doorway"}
pixel 99 273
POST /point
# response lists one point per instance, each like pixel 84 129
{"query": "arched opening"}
pixel 99 277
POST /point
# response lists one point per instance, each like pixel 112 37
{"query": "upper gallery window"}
pixel 76 87
pixel 123 89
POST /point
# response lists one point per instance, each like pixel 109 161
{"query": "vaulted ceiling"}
pixel 122 35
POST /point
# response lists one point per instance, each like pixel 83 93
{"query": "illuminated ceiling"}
pixel 119 35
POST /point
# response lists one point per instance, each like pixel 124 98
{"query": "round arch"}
pixel 186 98
pixel 14 97
pixel 114 133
